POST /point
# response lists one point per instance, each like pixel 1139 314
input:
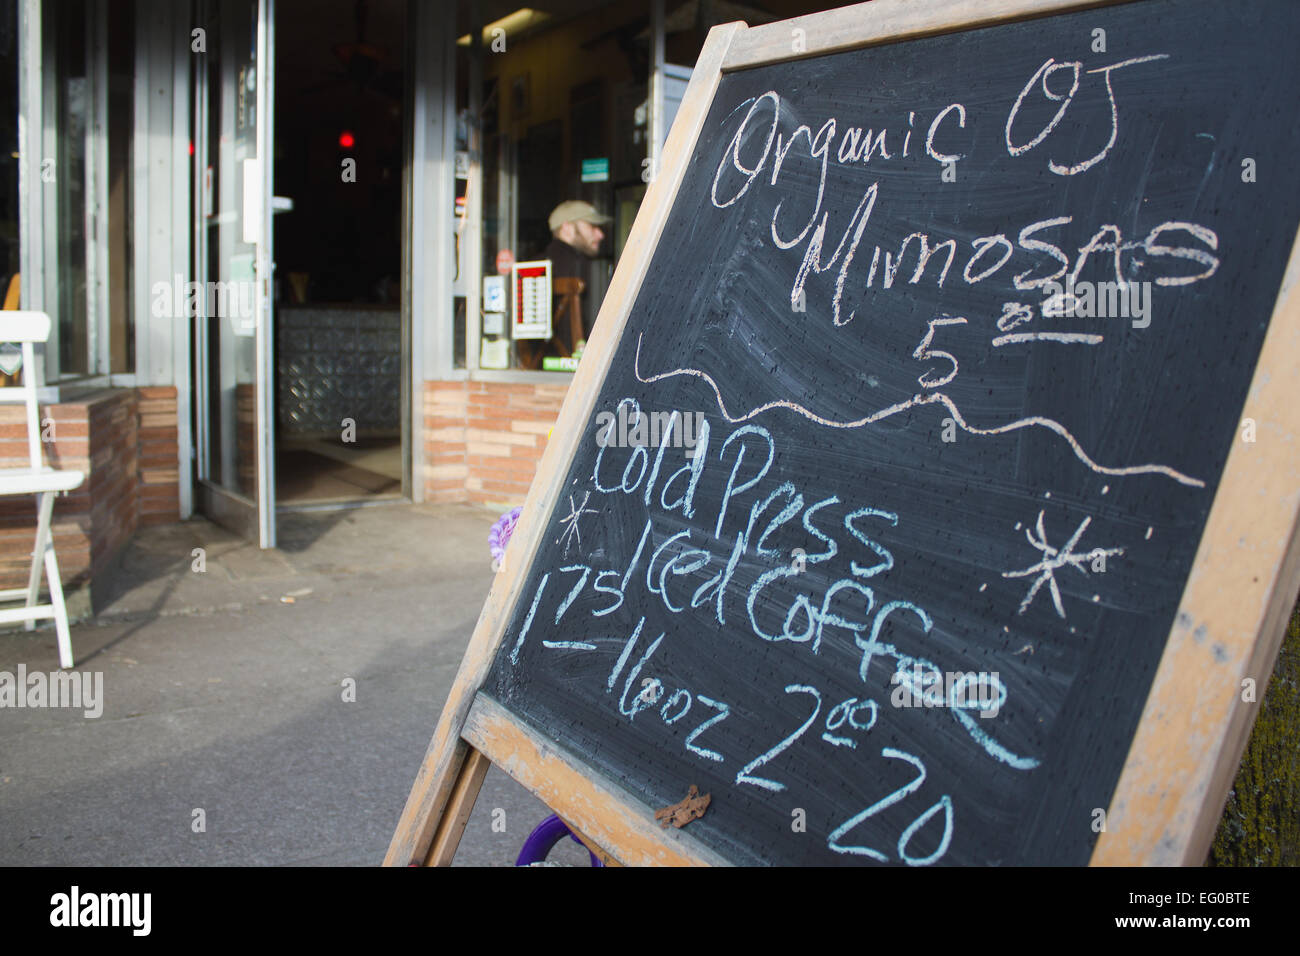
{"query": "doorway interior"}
pixel 340 116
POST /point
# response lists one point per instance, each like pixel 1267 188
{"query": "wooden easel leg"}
pixel 456 813
pixel 586 841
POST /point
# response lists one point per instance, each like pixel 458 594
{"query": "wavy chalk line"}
pixel 915 401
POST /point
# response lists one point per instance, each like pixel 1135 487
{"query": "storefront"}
pixel 237 337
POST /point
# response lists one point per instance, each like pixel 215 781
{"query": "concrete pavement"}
pixel 224 693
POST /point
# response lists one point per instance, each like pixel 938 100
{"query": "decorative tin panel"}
pixel 337 363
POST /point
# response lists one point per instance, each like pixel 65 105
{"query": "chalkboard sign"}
pixel 930 488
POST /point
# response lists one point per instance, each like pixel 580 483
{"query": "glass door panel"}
pixel 233 333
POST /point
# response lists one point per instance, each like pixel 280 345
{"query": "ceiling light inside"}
pixel 522 19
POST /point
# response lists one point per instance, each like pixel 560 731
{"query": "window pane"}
pixel 68 24
pixel 8 146
pixel 121 117
pixel 546 137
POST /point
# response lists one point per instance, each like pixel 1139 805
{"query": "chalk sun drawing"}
pixel 1033 421
pixel 571 530
pixel 1053 560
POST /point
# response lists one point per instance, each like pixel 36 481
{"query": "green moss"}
pixel 1261 822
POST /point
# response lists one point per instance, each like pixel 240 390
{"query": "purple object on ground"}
pixel 543 839
pixel 500 534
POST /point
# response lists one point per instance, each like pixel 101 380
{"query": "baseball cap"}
pixel 575 210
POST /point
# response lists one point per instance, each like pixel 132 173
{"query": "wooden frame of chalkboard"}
pixel 1226 633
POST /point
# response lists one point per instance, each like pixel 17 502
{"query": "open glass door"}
pixel 233 333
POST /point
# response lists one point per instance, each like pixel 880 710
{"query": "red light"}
pixel 346 140
pixel 191 147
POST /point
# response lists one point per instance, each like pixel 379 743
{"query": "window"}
pixel 72 103
pixel 8 147
pixel 542 127
pixel 81 170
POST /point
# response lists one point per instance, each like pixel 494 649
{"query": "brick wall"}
pixel 109 495
pixel 160 501
pixel 484 440
pixel 125 441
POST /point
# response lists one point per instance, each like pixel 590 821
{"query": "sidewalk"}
pixel 224 692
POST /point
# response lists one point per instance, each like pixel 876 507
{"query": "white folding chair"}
pixel 24 328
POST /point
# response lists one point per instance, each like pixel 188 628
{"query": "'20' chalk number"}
pixel 944 803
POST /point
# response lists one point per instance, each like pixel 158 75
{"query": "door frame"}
pixel 252 519
pixel 428 241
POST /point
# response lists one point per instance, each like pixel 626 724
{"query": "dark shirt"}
pixel 568 262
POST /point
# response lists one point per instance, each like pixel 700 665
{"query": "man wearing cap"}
pixel 576 238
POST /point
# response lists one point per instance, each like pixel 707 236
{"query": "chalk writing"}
pixel 1034 421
